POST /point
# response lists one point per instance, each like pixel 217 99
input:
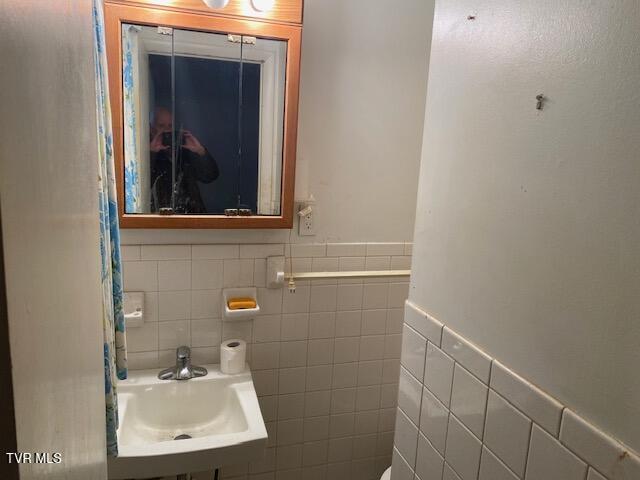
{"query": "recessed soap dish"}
pixel 133 306
pixel 245 313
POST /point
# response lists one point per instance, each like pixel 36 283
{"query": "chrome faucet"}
pixel 183 369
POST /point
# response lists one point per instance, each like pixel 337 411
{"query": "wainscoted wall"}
pixel 462 415
pixel 529 248
pixel 324 359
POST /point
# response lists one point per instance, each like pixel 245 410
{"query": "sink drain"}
pixel 184 436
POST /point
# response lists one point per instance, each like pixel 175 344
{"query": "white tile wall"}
pixel 434 420
pixel 469 400
pixel 602 452
pixel 549 460
pixel 413 351
pixel 438 373
pixel 468 355
pixel 478 420
pixel 463 450
pixel 409 393
pixel 449 473
pixel 536 404
pixel 325 360
pixel 491 468
pixel 594 475
pixel 429 462
pixel 401 469
pixel 507 432
pixel 425 325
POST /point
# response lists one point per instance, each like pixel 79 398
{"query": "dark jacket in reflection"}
pixel 191 168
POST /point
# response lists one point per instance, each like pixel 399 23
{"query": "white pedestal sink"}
pixel 219 412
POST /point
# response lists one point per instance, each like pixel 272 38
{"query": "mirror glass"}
pixel 203 117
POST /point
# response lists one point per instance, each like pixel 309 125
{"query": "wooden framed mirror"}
pixel 205 110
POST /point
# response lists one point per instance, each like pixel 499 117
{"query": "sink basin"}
pixel 169 427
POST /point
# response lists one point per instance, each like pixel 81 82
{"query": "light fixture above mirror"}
pixel 216 3
pixel 262 5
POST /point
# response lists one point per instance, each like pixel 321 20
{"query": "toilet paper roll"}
pixel 233 354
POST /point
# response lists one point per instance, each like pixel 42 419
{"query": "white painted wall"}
pixel 363 84
pixel 364 67
pixel 527 228
pixel 48 193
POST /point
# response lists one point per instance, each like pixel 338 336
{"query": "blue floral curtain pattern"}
pixel 115 358
pixel 132 194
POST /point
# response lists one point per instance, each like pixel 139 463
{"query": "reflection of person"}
pixel 193 164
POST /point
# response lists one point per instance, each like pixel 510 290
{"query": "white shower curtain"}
pixel 133 168
pixel 115 351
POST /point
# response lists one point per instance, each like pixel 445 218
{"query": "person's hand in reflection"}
pixel 156 144
pixel 192 143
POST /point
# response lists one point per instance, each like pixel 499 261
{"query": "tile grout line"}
pixel 530 436
pixel 486 411
pixel 486 407
pixel 502 461
pixel 451 467
pixel 278 379
pixel 434 449
pixel 580 457
pixel 486 421
pixel 449 413
pixel 306 369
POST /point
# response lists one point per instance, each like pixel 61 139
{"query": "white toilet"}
pixel 386 475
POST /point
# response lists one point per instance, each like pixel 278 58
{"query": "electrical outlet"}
pixel 306 221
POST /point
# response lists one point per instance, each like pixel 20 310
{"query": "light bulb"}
pixel 216 3
pixel 262 5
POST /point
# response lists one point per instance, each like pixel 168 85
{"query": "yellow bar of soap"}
pixel 241 303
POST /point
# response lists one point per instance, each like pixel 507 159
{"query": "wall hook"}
pixel 540 98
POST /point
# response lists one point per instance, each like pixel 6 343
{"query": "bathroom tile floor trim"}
pixel 527 434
